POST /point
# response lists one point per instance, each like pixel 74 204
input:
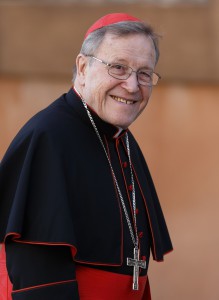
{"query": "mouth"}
pixel 122 100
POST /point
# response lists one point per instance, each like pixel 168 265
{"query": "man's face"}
pixel 118 102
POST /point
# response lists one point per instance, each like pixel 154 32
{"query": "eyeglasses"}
pixel 122 72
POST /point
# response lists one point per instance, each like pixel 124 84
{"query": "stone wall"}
pixel 44 39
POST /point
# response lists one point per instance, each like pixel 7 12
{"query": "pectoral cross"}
pixel 136 263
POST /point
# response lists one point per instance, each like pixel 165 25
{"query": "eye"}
pixel 145 74
pixel 118 69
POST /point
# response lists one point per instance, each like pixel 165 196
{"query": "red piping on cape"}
pixel 17 237
pixel 42 285
pixel 124 178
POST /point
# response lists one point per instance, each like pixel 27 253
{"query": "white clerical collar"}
pixel 118 132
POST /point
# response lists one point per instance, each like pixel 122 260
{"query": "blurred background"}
pixel 178 132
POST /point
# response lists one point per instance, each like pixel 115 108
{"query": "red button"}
pixel 130 187
pixel 137 211
pixel 143 257
pixel 125 164
pixel 140 234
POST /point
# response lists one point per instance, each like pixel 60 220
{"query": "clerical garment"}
pixel 60 210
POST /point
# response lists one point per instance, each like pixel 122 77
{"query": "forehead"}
pixel 133 49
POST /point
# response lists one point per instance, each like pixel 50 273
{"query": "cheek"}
pixel 146 95
pixel 95 95
pixel 96 82
pixel 103 88
pixel 142 107
pixel 92 86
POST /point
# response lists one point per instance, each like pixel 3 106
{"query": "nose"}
pixel 131 84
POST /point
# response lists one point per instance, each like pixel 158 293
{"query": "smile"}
pixel 123 100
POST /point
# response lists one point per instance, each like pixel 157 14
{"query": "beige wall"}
pixel 40 40
pixel 178 132
pixel 179 136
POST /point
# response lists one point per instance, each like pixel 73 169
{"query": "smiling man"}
pixel 79 213
pixel 119 98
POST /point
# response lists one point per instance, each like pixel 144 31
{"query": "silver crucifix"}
pixel 136 263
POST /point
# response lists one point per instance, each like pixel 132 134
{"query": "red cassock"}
pixel 5 283
pixel 98 285
pixel 93 284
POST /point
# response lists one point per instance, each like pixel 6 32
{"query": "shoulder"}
pixel 51 126
pixel 55 120
pixel 50 118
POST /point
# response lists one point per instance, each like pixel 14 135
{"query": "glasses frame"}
pixel 155 76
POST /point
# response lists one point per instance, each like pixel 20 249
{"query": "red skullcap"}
pixel 110 19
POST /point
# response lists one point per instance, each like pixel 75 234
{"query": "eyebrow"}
pixel 120 60
pixel 125 63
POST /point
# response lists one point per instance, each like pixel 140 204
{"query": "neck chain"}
pixel 136 263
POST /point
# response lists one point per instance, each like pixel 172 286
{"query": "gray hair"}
pixel 92 43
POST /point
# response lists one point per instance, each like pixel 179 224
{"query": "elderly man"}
pixel 79 213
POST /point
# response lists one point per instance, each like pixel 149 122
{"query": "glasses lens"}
pixel 119 71
pixel 146 78
pixel 123 72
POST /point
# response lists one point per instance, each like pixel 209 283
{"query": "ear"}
pixel 81 64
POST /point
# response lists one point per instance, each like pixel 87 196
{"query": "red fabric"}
pixel 5 284
pixel 110 19
pixel 94 284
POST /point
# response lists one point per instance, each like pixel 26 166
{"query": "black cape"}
pixel 56 186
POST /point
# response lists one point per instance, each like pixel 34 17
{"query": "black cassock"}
pixel 58 201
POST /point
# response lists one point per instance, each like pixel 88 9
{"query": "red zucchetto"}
pixel 111 19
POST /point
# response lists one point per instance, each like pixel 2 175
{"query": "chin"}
pixel 118 122
pixel 123 126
